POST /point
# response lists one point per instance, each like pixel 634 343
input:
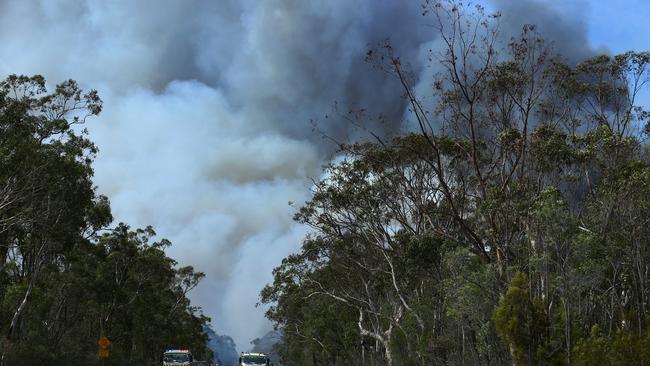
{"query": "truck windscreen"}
pixel 176 357
pixel 254 360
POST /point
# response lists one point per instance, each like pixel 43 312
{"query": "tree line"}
pixel 512 226
pixel 67 276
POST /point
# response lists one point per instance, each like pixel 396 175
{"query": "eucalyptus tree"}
pixel 502 230
pixel 66 278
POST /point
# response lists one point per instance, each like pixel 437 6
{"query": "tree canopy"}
pixel 511 227
pixel 67 277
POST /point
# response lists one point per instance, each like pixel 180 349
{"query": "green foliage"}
pixel 520 321
pixel 510 229
pixel 593 350
pixel 624 347
pixel 66 279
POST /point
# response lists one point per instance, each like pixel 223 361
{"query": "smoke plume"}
pixel 207 126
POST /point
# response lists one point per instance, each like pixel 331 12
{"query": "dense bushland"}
pixel 511 227
pixel 67 276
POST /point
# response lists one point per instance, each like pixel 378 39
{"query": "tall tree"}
pixel 503 230
pixel 66 278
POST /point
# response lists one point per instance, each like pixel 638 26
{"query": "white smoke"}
pixel 206 131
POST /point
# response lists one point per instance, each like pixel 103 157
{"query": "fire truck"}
pixel 254 359
pixel 177 357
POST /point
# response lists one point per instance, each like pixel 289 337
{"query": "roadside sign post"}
pixel 103 343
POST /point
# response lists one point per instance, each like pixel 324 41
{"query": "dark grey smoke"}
pixel 206 133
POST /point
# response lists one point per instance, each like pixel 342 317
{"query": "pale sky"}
pixel 619 25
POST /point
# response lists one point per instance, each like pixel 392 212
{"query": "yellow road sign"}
pixel 103 353
pixel 103 342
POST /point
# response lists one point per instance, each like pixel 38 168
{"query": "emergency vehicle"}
pixel 254 359
pixel 177 357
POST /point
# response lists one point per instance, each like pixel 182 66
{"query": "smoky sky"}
pixel 210 106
